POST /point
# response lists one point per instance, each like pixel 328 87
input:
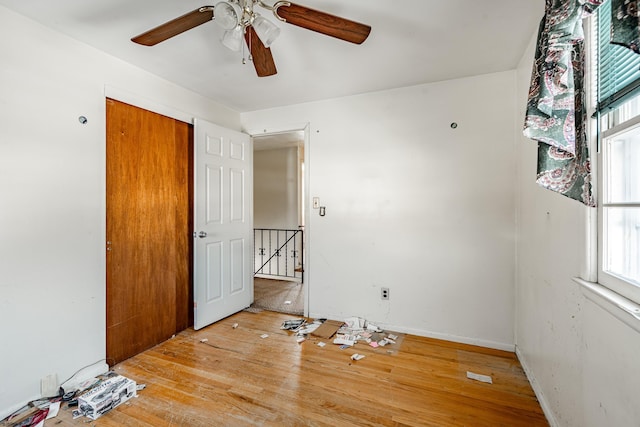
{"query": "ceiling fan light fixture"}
pixel 266 30
pixel 232 39
pixel 227 14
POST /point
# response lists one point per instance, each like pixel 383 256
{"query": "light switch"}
pixel 316 202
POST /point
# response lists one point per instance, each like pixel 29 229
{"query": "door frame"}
pixel 305 128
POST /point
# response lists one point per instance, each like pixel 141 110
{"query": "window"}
pixel 619 210
pixel 618 161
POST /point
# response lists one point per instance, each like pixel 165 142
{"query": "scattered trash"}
pixel 357 356
pixel 264 336
pixel 204 340
pixel 345 334
pixel 105 396
pixel 373 328
pixel 344 340
pixel 355 323
pixel 327 329
pixel 27 415
pixel 308 328
pixel 87 384
pixel 140 387
pixel 235 326
pixel 96 396
pixel 292 325
pixel 479 377
pixel 287 302
pixel 54 408
pixel 68 396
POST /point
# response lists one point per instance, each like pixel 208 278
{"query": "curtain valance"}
pixel 556 114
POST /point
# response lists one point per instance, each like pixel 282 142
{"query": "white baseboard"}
pixel 544 404
pixel 437 335
pixel 453 338
pixel 85 374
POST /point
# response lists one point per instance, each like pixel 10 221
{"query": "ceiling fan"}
pixel 239 20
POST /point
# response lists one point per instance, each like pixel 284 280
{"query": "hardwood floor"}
pixel 238 378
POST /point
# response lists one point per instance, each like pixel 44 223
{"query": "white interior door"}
pixel 223 223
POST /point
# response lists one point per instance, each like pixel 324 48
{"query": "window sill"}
pixel 622 308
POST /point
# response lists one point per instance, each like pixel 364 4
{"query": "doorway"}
pixel 149 227
pixel 279 221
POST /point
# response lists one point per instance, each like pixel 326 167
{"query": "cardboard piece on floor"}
pixel 327 329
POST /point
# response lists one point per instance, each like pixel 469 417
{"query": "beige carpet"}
pixel 273 295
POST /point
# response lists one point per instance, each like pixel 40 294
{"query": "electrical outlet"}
pixel 384 293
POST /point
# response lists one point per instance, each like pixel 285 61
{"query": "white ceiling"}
pixel 411 42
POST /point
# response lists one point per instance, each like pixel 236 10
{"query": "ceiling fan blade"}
pixel 324 23
pixel 175 26
pixel 262 58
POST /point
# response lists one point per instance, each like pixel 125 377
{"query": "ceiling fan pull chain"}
pixel 243 60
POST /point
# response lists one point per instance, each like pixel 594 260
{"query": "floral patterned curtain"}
pixel 556 112
pixel 624 24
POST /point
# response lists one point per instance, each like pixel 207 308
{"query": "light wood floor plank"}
pixel 237 378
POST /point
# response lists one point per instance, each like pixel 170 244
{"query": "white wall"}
pixel 275 188
pixel 52 198
pixel 413 205
pixel 582 361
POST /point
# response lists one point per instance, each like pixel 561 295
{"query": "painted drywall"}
pixel 413 205
pixel 275 188
pixel 581 360
pixel 52 198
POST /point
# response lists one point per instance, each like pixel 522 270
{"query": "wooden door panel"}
pixel 148 229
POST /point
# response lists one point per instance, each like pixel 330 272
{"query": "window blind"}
pixel 618 67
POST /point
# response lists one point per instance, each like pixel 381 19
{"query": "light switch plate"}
pixel 316 202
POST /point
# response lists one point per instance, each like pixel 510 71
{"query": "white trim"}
pixel 614 283
pixel 542 399
pixel 620 307
pixel 590 264
pixel 296 127
pixel 146 103
pixel 622 127
pixel 436 335
pixel 85 374
pixel 449 337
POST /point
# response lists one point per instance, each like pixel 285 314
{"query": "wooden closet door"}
pixel 149 199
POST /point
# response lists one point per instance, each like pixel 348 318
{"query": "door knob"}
pixel 202 234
